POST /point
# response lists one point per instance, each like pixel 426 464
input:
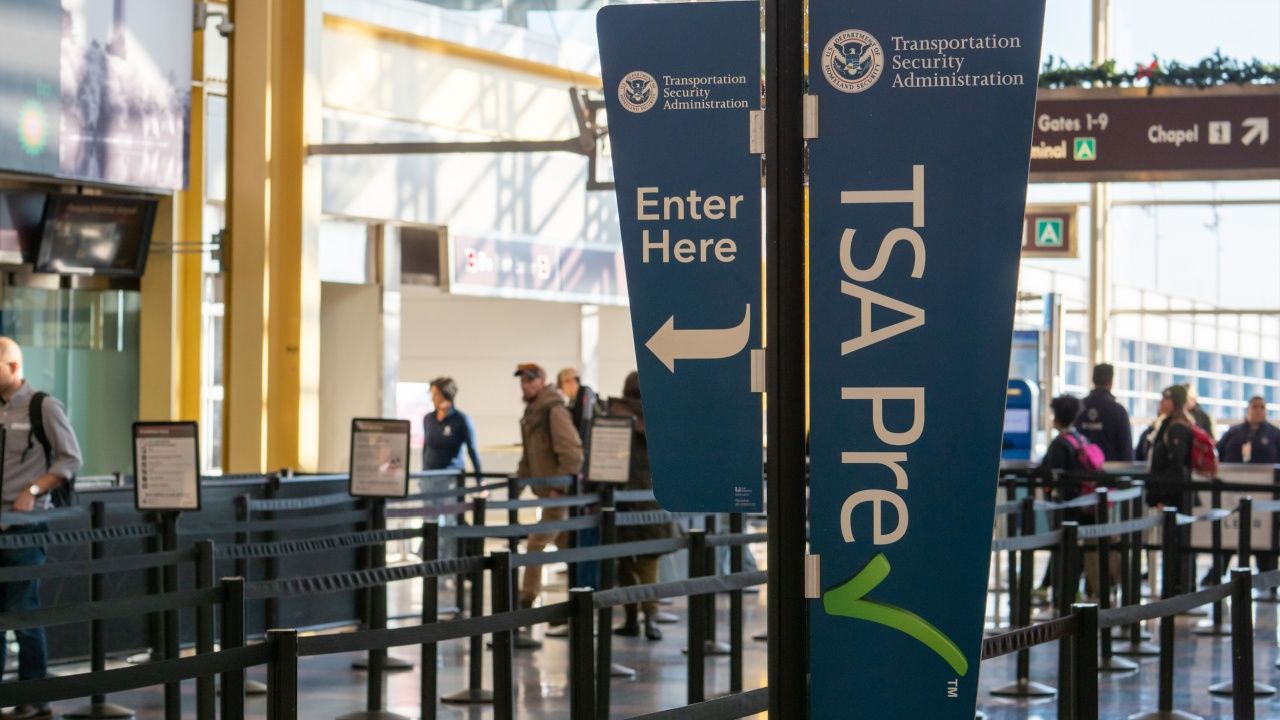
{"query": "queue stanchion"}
pixel 1137 644
pixel 475 692
pixel 1023 686
pixel 155 586
pixel 1242 649
pixel 206 693
pixel 735 609
pixel 697 633
pixel 460 545
pixel 375 556
pixel 282 675
pixel 376 662
pixel 1109 662
pixel 513 518
pixel 1269 595
pixel 98 707
pixel 1011 558
pixel 172 647
pixel 714 646
pixel 272 604
pixel 606 668
pixel 1085 666
pixel 503 684
pixel 1216 627
pixel 1168 589
pixel 582 686
pixel 427 680
pixel 251 687
pixel 1068 587
pixel 233 636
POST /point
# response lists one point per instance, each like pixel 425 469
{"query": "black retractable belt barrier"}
pixel 735 609
pixel 282 675
pixel 503 683
pixel 1022 686
pixel 430 612
pixel 475 692
pixel 98 707
pixel 1216 627
pixel 1169 588
pixel 582 690
pixel 1084 662
pixel 1109 662
pixel 1068 588
pixel 172 621
pixel 1242 648
pixel 697 615
pixel 233 634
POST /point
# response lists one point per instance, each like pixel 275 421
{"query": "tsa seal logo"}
pixel 638 91
pixel 852 61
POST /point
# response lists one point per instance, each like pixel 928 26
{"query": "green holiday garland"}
pixel 1209 72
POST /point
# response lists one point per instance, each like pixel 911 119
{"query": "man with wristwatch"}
pixel 35 463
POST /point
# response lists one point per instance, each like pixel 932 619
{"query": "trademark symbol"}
pixel 953 688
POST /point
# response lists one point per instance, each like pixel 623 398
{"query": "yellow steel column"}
pixel 272 317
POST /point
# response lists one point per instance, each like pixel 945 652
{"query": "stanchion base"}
pixel 762 637
pixel 1029 689
pixel 1229 688
pixel 1208 629
pixel 372 715
pixel 712 647
pixel 1143 649
pixel 99 711
pixel 621 671
pixel 666 618
pixel 524 642
pixel 1165 715
pixel 391 664
pixel 559 631
pixel 1115 664
pixel 253 687
pixel 1122 635
pixel 469 697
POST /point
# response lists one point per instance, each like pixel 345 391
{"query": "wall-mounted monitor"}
pixel 21 220
pixel 96 235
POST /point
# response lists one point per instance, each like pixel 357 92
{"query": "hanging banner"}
pixel 688 191
pixel 917 188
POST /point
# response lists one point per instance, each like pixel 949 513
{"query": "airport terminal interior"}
pixel 318 356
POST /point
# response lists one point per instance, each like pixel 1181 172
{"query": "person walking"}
pixel 581 400
pixel 639 569
pixel 446 431
pixel 40 454
pixel 1103 421
pixel 551 447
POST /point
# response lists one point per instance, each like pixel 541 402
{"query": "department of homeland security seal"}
pixel 852 61
pixel 638 91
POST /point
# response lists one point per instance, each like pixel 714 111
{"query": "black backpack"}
pixel 64 494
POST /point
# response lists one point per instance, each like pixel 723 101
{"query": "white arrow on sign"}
pixel 670 344
pixel 1259 129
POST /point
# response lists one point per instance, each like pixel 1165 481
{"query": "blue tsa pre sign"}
pixel 681 82
pixel 917 189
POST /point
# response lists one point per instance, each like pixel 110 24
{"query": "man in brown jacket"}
pixel 551 447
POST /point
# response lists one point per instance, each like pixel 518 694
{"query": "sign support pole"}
pixel 785 357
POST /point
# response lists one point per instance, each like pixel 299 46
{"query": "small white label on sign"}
pixel 810 117
pixel 812 577
pixel 757 132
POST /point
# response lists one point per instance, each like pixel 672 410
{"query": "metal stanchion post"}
pixel 1137 645
pixel 1169 588
pixel 1085 662
pixel 206 700
pixel 502 602
pixel 173 690
pixel 1067 589
pixel 430 611
pixel 460 545
pixel 697 616
pixel 1242 648
pixel 272 604
pixel 1109 662
pixel 1216 627
pixel 1010 530
pixel 232 636
pixel 251 687
pixel 714 647
pixel 282 675
pixel 1022 686
pixel 98 707
pixel 608 580
pixel 475 692
pixel 582 687
pixel 735 609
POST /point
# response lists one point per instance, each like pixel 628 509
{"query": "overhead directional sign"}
pixel 917 190
pixel 688 190
pixel 1111 134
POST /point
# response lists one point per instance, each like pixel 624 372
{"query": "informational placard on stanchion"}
pixel 610 458
pixel 166 466
pixel 379 458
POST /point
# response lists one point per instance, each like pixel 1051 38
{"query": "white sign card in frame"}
pixel 610 457
pixel 166 466
pixel 379 458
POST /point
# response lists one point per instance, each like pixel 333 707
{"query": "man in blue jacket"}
pixel 1103 421
pixel 1253 441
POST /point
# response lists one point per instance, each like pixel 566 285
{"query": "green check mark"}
pixel 847 599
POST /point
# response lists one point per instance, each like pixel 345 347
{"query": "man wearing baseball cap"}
pixel 551 448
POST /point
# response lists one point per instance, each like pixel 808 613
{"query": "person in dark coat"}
pixel 581 400
pixel 1253 441
pixel 446 430
pixel 640 569
pixel 1198 416
pixel 1170 453
pixel 1103 421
